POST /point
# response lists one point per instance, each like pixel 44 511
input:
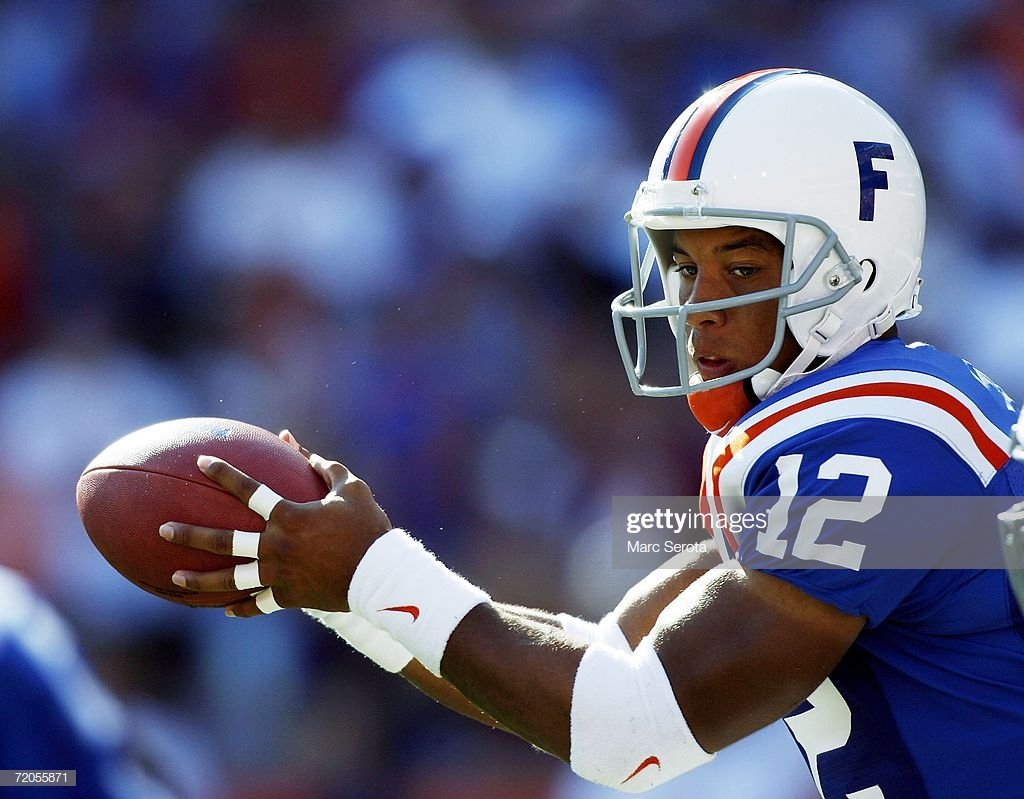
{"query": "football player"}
pixel 785 214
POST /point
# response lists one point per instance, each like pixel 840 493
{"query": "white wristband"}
pixel 401 588
pixel 366 639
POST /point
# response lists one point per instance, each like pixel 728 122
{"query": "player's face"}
pixel 717 263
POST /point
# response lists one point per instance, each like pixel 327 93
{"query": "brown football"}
pixel 150 476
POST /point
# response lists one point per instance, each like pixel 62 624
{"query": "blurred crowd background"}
pixel 395 228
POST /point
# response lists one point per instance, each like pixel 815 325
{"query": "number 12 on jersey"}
pixel 807 544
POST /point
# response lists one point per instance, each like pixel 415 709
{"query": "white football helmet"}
pixel 810 161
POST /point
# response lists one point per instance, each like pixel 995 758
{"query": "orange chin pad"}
pixel 718 409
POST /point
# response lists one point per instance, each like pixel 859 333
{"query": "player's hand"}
pixel 308 552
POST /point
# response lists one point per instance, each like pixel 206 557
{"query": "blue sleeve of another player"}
pixel 37 732
pixel 835 521
pixel 55 714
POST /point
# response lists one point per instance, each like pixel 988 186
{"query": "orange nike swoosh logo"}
pixel 412 610
pixel 651 761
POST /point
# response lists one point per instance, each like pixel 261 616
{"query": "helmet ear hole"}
pixel 867 263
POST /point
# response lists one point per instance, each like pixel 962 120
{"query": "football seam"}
pixel 206 482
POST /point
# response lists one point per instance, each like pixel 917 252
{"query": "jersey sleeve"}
pixel 836 518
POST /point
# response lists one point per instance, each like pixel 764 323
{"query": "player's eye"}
pixel 744 271
pixel 686 270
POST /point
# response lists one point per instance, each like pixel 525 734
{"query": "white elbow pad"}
pixel 627 731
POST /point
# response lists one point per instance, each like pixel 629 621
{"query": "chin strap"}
pixel 720 408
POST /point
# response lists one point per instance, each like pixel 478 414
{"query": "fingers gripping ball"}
pixel 150 477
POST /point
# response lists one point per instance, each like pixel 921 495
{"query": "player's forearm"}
pixel 442 691
pixel 535 628
pixel 518 672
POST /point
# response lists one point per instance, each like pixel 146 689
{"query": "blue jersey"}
pixel 929 701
